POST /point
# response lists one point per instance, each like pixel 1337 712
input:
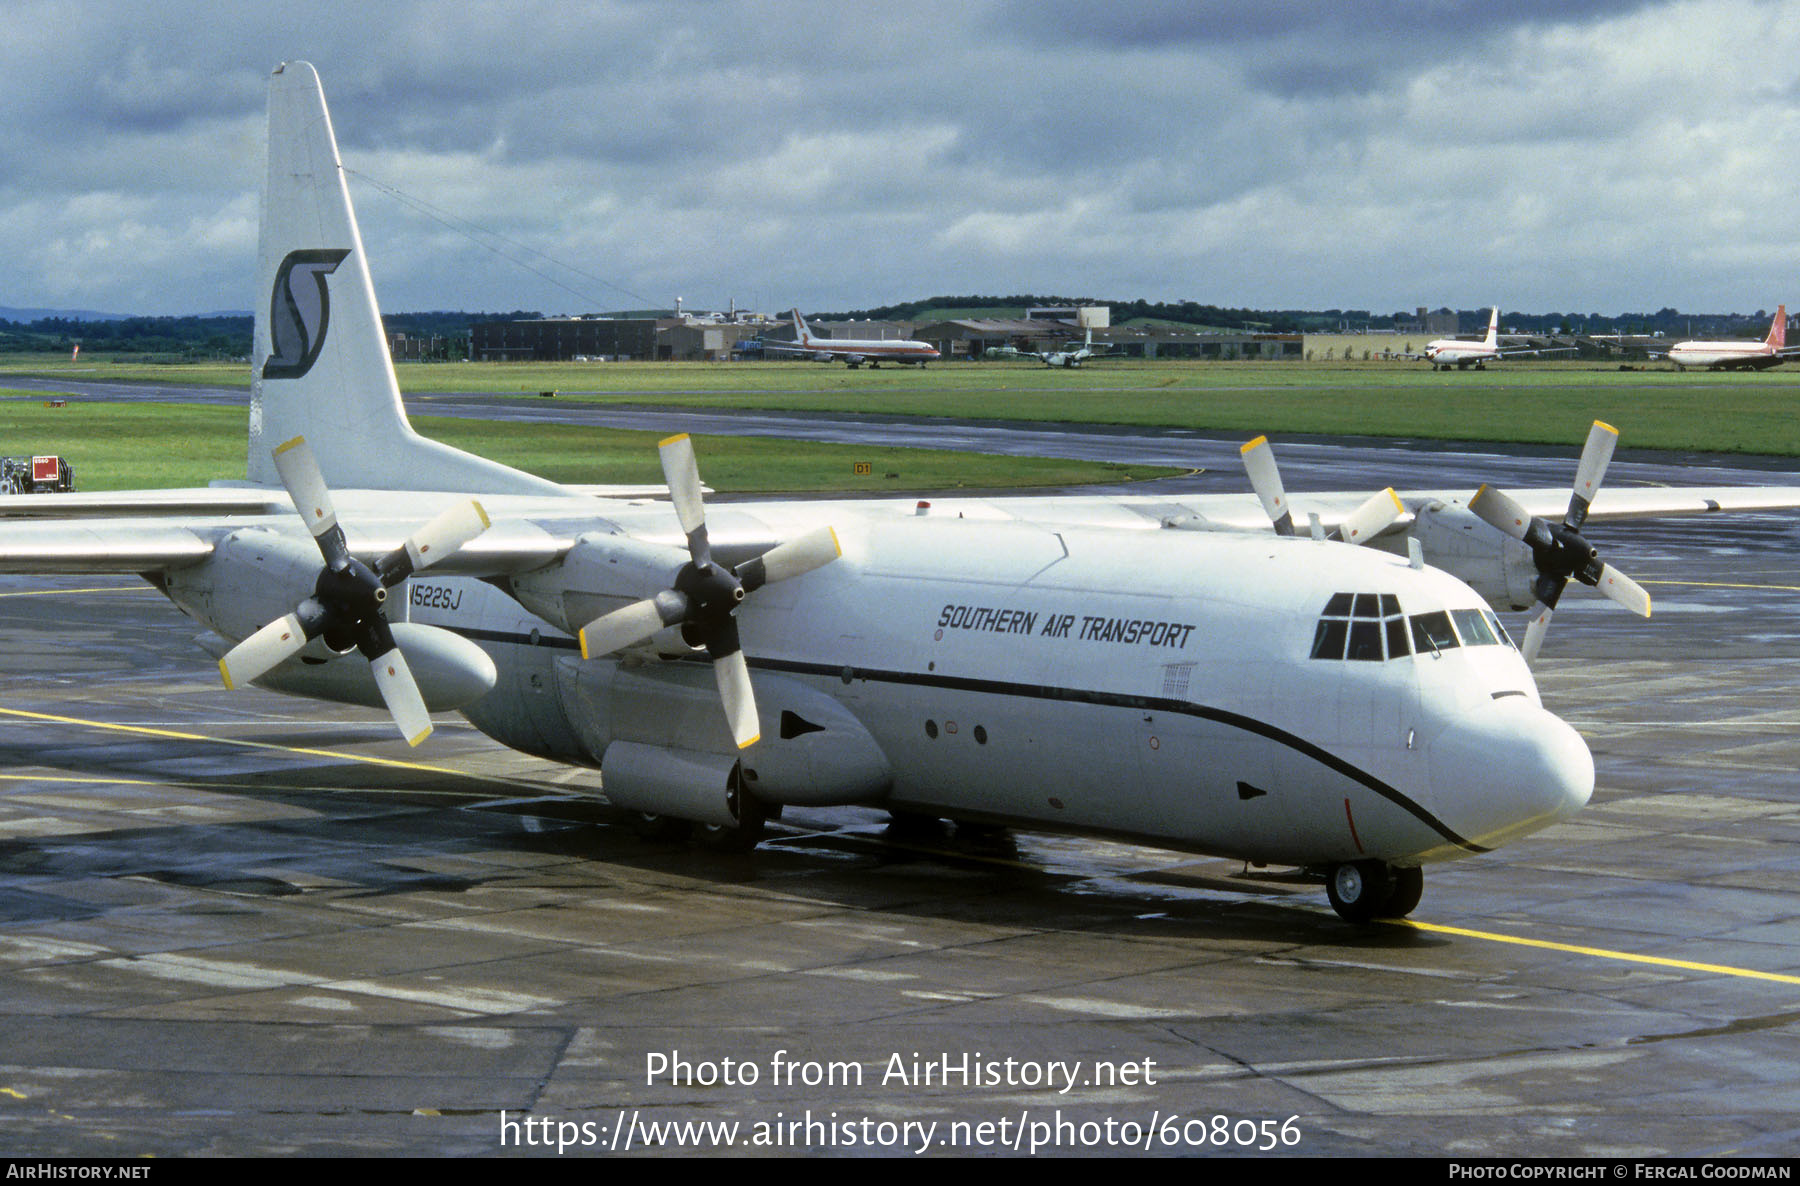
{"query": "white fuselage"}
pixel 1460 353
pixel 1157 686
pixel 856 351
pixel 1754 355
pixel 870 350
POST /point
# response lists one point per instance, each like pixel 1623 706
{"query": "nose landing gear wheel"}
pixel 1359 889
pixel 1409 884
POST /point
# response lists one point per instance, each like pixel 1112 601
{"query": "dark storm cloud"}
pixel 1280 153
pixel 1305 48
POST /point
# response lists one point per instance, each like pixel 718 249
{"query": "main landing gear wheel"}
pixel 746 833
pixel 1362 891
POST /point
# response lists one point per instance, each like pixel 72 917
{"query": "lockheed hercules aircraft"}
pixel 1194 673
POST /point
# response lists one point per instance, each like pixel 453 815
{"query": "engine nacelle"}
pixel 450 670
pixel 685 784
pixel 813 751
pixel 601 573
pixel 253 577
pixel 1495 565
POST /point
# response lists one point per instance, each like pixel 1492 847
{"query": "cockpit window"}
pixel 1367 627
pixel 1432 633
pixel 1474 628
pixel 1370 627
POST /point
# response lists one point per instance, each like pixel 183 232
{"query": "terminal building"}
pixel 612 339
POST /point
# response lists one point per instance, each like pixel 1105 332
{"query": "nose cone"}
pixel 1507 770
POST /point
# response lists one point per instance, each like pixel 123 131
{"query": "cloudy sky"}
pixel 1576 155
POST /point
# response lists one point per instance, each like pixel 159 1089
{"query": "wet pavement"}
pixel 242 923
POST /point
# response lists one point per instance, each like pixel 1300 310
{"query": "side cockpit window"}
pixel 1370 627
pixel 1432 633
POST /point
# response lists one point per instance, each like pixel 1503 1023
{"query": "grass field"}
pixel 1535 402
pixel 145 445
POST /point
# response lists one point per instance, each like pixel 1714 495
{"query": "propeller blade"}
pixel 1372 517
pixel 300 473
pixel 633 624
pixel 1501 510
pixel 1624 590
pixel 682 473
pixel 250 659
pixel 791 558
pixel 733 676
pixel 1596 455
pixel 1265 479
pixel 439 538
pixel 401 694
pixel 1535 631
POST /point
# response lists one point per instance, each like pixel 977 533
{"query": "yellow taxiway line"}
pixel 1599 952
pixel 66 592
pixel 1727 585
pixel 146 731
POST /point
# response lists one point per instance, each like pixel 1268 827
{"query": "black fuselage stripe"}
pixel 992 687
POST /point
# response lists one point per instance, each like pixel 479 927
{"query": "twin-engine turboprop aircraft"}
pixel 1171 671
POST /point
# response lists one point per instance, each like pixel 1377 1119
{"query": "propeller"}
pixel 1358 527
pixel 346 604
pixel 707 593
pixel 1559 550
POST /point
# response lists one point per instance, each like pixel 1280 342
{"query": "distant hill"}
pixel 8 313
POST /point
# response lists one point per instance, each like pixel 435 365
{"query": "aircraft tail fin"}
pixel 1777 339
pixel 320 367
pixel 802 334
pixel 1493 334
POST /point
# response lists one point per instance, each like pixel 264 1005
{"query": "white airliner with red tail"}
pixel 1737 354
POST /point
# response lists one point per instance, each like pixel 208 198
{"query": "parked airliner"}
pixel 1736 354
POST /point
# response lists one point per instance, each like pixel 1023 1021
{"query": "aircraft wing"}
pixel 1243 512
pixel 1520 351
pixel 1617 504
pixel 64 546
pixel 138 545
pixel 110 504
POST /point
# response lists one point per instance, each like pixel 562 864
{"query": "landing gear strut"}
pixel 1362 891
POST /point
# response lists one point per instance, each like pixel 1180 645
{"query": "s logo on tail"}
pixel 299 310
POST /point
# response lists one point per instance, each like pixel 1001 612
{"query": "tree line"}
pixel 228 336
